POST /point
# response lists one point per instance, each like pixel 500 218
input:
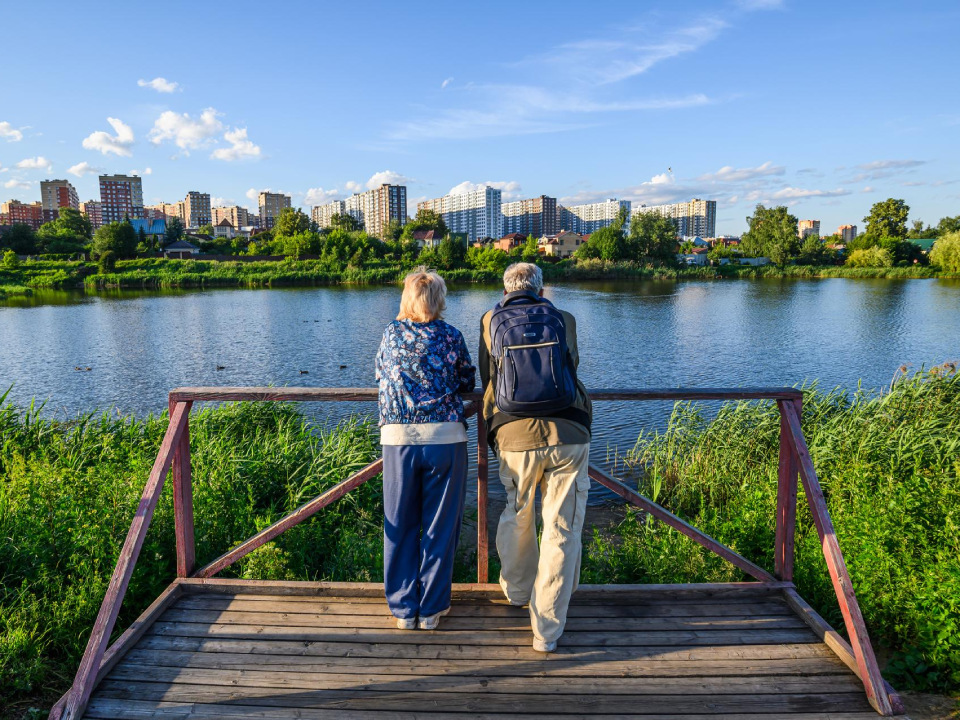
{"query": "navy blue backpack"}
pixel 528 342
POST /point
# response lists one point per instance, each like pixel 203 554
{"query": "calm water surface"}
pixel 649 334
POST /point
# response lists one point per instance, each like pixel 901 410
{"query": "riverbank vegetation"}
pixel 888 463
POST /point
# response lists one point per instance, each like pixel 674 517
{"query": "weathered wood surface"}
pixel 483 549
pixel 313 394
pixel 85 678
pixel 680 525
pixel 690 654
pixel 183 499
pixel 786 519
pixel 853 619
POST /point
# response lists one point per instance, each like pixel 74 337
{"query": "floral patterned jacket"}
pixel 422 368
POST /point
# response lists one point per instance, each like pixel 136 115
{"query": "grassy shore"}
pixel 162 273
pixel 890 467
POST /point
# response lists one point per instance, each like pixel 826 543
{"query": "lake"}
pixel 721 333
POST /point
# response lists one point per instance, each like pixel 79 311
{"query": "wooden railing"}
pixel 794 460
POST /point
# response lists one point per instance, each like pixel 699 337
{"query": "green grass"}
pixel 14 290
pixel 889 465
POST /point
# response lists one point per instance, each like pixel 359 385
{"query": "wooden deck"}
pixel 222 648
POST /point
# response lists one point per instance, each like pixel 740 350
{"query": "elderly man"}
pixel 539 417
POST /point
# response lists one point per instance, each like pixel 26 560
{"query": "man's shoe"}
pixel 407 623
pixel 430 622
pixel 544 646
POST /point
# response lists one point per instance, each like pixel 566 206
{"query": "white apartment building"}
pixel 585 219
pixel 373 209
pixel 696 218
pixel 322 215
pixel 476 213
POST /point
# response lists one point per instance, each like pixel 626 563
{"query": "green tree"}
pixel 426 220
pixel 107 262
pixel 451 252
pixel 290 222
pixel 393 231
pixel 118 238
pixel 653 237
pixel 813 251
pixel 20 238
pixel 607 243
pixel 948 225
pixel 71 226
pixel 174 231
pixel 10 260
pixel 918 232
pixel 946 252
pixel 303 243
pixel 344 221
pixel 888 219
pixel 772 233
pixel 142 238
pixel 531 249
pixel 870 257
pixel 206 230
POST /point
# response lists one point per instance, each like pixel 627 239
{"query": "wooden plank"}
pixel 295 518
pixel 643 667
pixel 613 594
pixel 312 394
pixel 480 683
pixel 680 525
pixel 164 710
pixel 786 519
pixel 487 637
pixel 107 616
pixel 386 621
pixel 483 549
pixel 842 585
pixel 183 500
pixel 488 702
pixel 586 656
pixel 284 604
pixel 835 642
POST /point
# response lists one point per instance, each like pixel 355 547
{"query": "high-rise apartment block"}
pixel 585 219
pixel 165 211
pixel 237 216
pixel 373 209
pixel 196 209
pixel 94 212
pixel 56 194
pixel 476 213
pixel 847 232
pixel 121 196
pixel 270 206
pixel 536 216
pixel 697 218
pixel 15 212
pixel 808 227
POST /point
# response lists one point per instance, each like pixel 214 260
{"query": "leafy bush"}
pixel 946 252
pixel 870 257
pixel 10 260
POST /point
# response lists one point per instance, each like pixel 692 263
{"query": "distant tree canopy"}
pixel 772 233
pixel 649 237
pixel 20 238
pixel 174 231
pixel 206 230
pixel 118 238
pixel 946 252
pixel 888 219
pixel 344 221
pixel 290 222
pixel 426 220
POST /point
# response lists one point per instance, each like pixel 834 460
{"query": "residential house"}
pixel 562 244
pixel 427 238
pixel 510 241
pixel 224 229
pixel 181 249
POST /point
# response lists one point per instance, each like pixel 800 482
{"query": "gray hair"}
pixel 523 276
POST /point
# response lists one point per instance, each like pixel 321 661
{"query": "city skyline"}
pixel 656 107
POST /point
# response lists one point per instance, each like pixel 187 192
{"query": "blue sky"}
pixel 825 106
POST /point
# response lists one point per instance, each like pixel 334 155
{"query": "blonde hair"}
pixel 424 296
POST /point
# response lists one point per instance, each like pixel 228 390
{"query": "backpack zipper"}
pixel 532 345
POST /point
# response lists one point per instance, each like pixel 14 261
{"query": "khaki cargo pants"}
pixel 547 576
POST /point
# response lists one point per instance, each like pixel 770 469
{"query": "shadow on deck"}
pixel 308 650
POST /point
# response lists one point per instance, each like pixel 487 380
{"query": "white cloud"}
pixel 84 168
pixel 792 193
pixel 18 183
pixel 387 177
pixel 446 82
pixel 867 189
pixel 661 179
pixel 9 132
pixel 731 174
pixel 147 171
pixel 186 132
pixel 118 144
pixel 510 189
pixel 240 147
pixel 319 196
pixel 254 194
pixel 220 201
pixel 352 186
pixel 891 164
pixel 159 84
pixel 36 163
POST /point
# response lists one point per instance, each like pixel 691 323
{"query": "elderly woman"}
pixel 422 367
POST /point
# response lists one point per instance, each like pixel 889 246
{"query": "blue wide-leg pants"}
pixel 423 494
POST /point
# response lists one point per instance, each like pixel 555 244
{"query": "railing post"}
pixel 787 473
pixel 183 500
pixel 483 552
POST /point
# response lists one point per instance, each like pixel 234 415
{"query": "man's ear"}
pixel 505 292
pixel 540 293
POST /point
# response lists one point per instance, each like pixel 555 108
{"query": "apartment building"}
pixel 56 194
pixel 696 218
pixel 477 214
pixel 196 209
pixel 94 212
pixel 237 216
pixel 270 206
pixel 322 215
pixel 847 232
pixel 536 216
pixel 585 219
pixel 165 211
pixel 15 212
pixel 121 196
pixel 808 227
